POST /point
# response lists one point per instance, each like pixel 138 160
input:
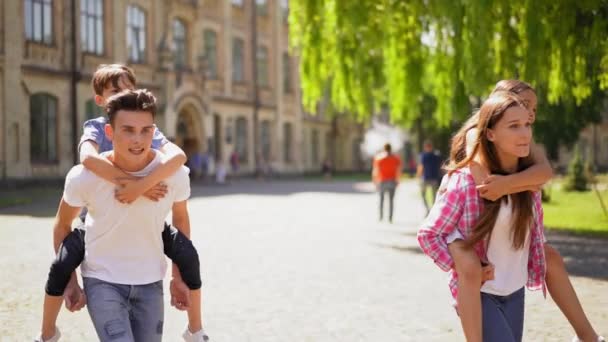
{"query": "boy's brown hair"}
pixel 138 100
pixel 111 73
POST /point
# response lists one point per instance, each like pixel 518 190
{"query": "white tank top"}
pixel 510 265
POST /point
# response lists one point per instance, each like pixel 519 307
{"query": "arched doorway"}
pixel 190 134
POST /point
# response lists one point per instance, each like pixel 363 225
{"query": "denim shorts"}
pixel 503 316
pixel 125 313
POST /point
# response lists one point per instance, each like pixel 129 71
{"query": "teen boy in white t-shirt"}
pixel 124 261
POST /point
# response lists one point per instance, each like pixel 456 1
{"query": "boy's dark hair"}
pixel 387 148
pixel 138 100
pixel 111 73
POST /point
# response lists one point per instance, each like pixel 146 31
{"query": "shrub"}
pixel 577 179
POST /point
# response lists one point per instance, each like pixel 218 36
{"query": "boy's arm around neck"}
pixel 539 173
pixel 174 158
pixel 100 166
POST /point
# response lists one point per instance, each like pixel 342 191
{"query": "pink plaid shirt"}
pixel 458 206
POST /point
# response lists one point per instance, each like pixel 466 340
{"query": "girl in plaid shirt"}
pixel 509 232
pixel 492 187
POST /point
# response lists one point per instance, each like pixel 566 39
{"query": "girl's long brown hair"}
pixel 492 110
pixel 458 146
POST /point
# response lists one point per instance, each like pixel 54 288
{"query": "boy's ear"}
pixel 109 131
pixel 100 100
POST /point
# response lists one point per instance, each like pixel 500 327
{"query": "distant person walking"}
pixel 386 172
pixel 326 169
pixel 234 161
pixel 429 169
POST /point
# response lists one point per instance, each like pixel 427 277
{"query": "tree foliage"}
pixel 396 52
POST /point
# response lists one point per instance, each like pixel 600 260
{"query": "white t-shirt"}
pixel 123 243
pixel 510 265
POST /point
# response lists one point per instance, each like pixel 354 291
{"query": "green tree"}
pixel 397 52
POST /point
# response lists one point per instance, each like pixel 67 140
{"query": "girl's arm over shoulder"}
pixel 443 219
pixel 530 179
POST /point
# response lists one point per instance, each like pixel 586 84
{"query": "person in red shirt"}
pixel 385 174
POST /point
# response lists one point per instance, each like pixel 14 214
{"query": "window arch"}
pixel 210 51
pixel 241 141
pixel 265 139
pixel 136 34
pixel 286 73
pixel 287 137
pixel 179 43
pixel 91 26
pixel 262 65
pixel 315 146
pixel 43 128
pixel 238 60
pixel 38 20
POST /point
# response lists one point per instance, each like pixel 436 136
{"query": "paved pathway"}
pixel 296 261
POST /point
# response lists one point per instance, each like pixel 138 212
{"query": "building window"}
pixel 210 44
pixel 241 143
pixel 265 135
pixel 14 132
pixel 285 9
pixel 315 146
pixel 261 7
pixel 305 143
pixel 38 16
pixel 179 41
pixel 228 131
pixel 287 138
pixel 136 34
pixel 286 73
pixel 92 110
pixel 237 3
pixel 43 128
pixel 91 26
pixel 237 60
pixel 262 65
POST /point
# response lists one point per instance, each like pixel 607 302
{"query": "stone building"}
pixel 195 55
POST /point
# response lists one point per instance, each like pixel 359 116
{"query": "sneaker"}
pixel 599 339
pixel 52 339
pixel 198 336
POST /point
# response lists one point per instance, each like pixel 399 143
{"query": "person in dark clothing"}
pixel 429 170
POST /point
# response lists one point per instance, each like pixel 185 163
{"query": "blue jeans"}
pixel 503 317
pixel 388 187
pixel 125 313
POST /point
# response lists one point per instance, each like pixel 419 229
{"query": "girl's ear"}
pixel 490 134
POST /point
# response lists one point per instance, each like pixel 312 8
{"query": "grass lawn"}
pixel 9 198
pixel 579 212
